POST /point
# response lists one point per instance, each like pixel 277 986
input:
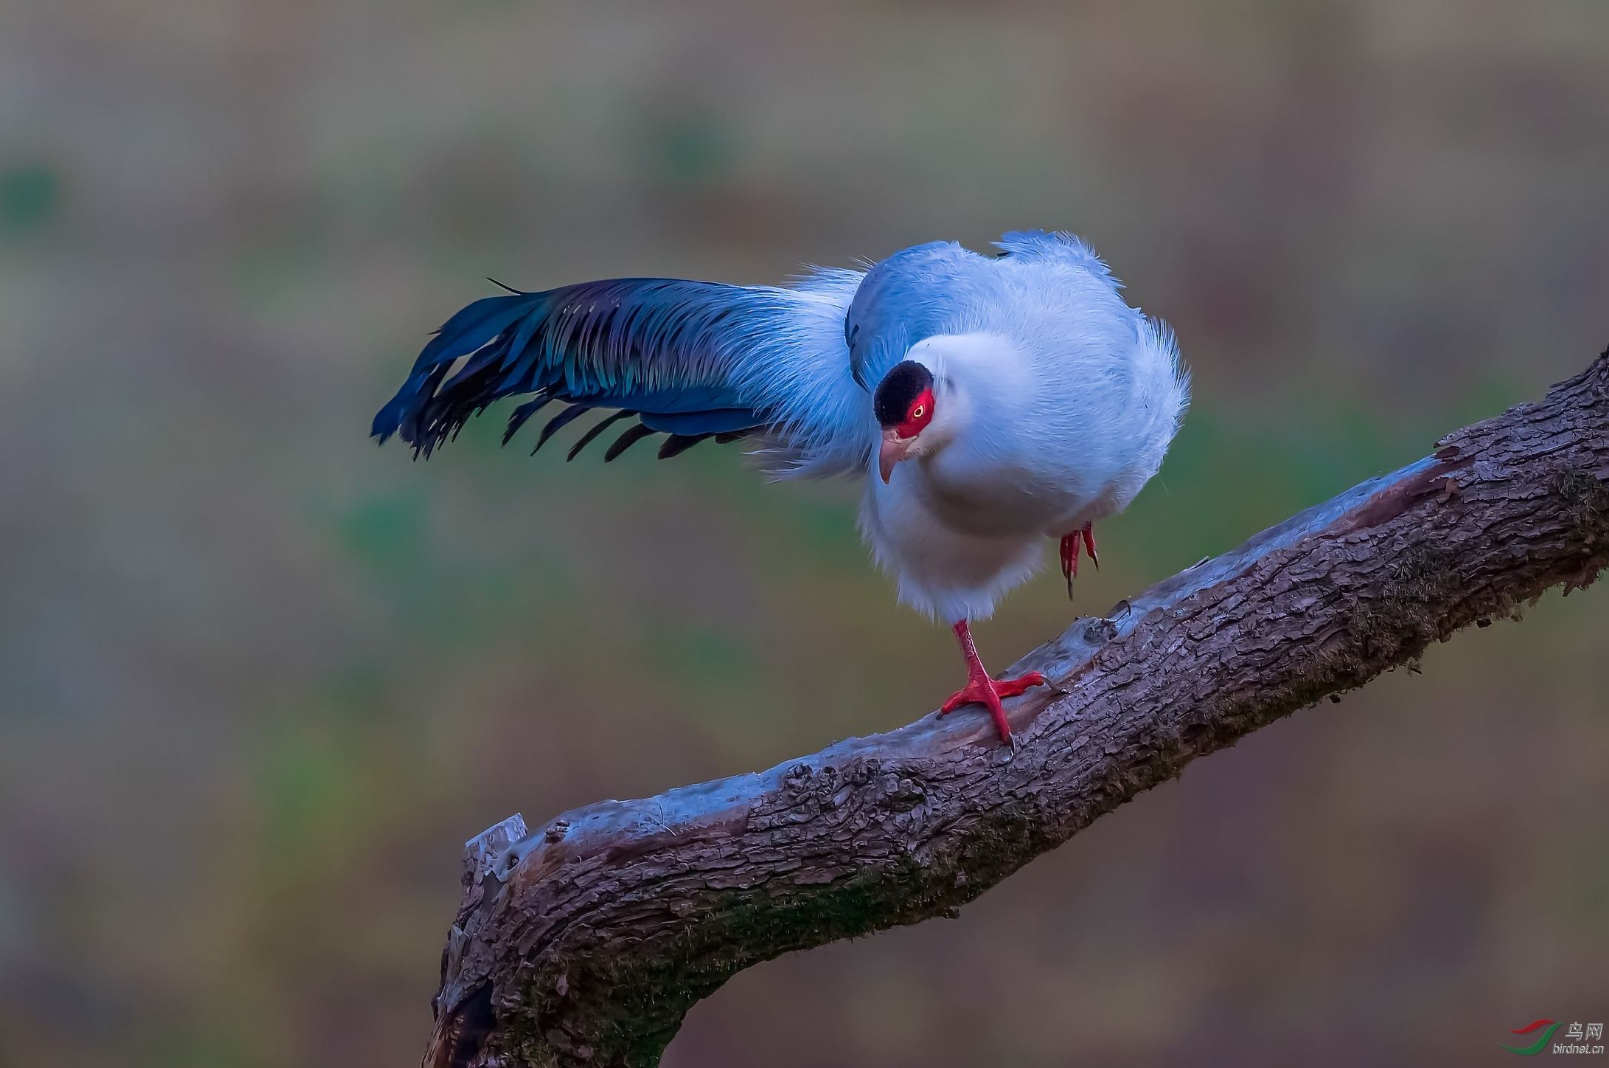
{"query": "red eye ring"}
pixel 917 416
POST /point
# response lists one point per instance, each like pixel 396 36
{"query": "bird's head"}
pixel 905 403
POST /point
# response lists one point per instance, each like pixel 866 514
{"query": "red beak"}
pixel 892 452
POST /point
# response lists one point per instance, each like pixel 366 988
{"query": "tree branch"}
pixel 586 942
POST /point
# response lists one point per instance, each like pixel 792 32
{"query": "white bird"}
pixel 988 401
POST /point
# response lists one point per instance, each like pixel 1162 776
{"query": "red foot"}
pixel 1069 554
pixel 982 689
pixel 988 692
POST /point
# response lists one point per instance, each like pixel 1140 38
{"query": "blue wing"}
pixel 924 290
pixel 943 288
pixel 668 351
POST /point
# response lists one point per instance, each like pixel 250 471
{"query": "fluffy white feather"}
pixel 1051 415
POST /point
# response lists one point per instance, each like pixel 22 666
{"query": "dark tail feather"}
pixel 677 444
pixel 597 428
pixel 627 440
pixel 559 422
pixel 518 417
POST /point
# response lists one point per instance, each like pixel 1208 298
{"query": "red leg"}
pixel 984 690
pixel 1069 553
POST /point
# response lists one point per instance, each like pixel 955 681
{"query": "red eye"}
pixel 918 415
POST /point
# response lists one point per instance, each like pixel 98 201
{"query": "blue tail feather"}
pixel 663 348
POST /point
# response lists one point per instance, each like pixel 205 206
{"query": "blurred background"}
pixel 259 679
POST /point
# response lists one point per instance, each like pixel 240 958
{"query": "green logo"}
pixel 1540 1044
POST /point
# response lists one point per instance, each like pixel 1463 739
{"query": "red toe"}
pixel 981 689
pixel 972 692
pixel 1069 558
pixel 1082 538
pixel 1021 684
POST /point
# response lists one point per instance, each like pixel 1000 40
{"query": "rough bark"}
pixel 586 942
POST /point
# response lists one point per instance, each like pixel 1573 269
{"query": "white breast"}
pixel 943 570
pixel 1053 437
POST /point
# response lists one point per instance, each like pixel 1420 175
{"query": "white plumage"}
pixel 1053 422
pixel 988 401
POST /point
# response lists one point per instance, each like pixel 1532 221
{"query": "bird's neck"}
pixel 983 375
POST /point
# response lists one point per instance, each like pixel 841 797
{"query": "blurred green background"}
pixel 259 679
